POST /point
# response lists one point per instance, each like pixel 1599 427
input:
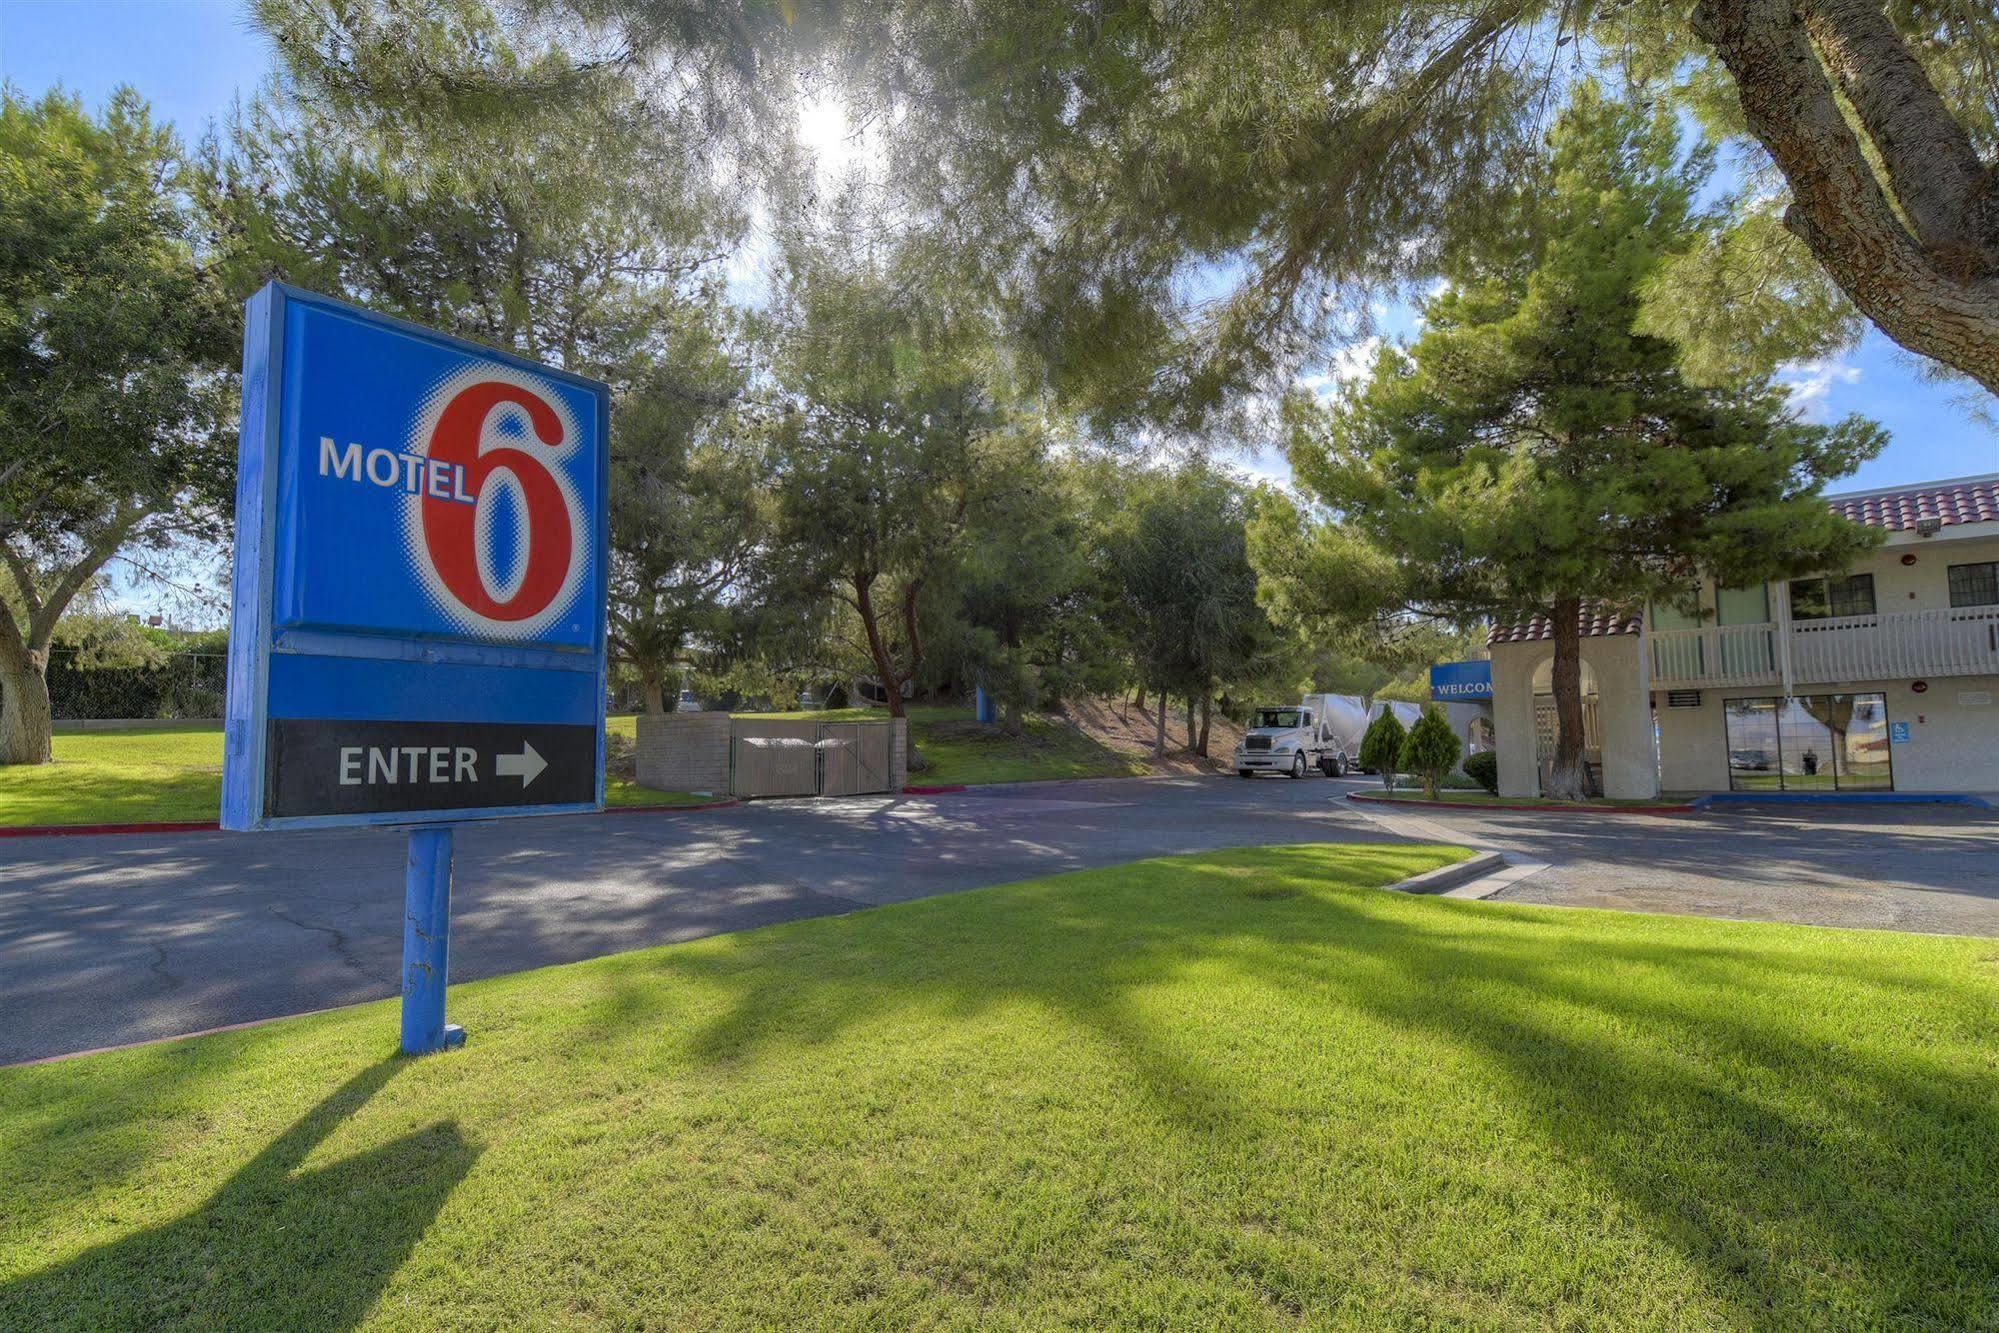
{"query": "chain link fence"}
pixel 183 686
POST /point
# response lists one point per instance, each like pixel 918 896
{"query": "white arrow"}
pixel 527 765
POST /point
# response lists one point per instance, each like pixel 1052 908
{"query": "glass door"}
pixel 1807 748
pixel 1754 750
pixel 1863 743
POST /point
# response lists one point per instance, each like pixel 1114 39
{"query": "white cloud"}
pixel 1810 383
pixel 1266 464
pixel 1353 361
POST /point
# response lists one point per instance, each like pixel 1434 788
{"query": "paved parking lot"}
pixel 1902 867
pixel 114 939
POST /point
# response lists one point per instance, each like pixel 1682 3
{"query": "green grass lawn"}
pixel 168 775
pixel 1221 1091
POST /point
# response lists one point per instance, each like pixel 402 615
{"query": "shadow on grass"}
pixel 1798 1159
pixel 274 1246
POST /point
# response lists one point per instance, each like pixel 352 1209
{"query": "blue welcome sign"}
pixel 418 630
pixel 1461 681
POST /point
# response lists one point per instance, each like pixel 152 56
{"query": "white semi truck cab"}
pixel 1294 739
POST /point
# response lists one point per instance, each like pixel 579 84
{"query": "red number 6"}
pixel 450 532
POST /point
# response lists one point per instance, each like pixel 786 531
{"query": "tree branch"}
pixel 1839 207
pixel 1933 171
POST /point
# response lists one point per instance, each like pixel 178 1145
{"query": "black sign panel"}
pixel 326 766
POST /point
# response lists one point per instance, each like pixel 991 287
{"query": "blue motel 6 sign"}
pixel 419 590
pixel 418 630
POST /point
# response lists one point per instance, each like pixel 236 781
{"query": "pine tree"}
pixel 1381 747
pixel 1431 749
pixel 1533 453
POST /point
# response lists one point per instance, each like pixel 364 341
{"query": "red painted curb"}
pixel 69 830
pixel 945 790
pixel 1521 806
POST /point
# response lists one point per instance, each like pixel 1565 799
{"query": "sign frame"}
pixel 246 766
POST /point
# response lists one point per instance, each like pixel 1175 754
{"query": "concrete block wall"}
pixel 898 754
pixel 684 751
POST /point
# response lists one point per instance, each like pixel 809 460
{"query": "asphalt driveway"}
pixel 105 940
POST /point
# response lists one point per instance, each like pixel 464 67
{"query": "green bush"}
pixel 1381 747
pixel 1431 749
pixel 1483 768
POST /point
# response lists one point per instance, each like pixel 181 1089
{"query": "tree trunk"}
pixel 891 682
pixel 1906 221
pixel 1011 721
pixel 26 719
pixel 1202 747
pixel 655 695
pixel 1192 735
pixel 1159 733
pixel 1568 781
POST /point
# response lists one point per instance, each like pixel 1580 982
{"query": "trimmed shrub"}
pixel 1431 749
pixel 1483 768
pixel 1381 748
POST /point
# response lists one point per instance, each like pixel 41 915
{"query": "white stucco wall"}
pixel 1924 585
pixel 1513 716
pixel 1953 743
pixel 1693 744
pixel 1624 715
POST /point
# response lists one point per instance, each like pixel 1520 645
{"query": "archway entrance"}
pixel 1545 726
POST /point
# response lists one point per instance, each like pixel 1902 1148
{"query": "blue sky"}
pixel 190 57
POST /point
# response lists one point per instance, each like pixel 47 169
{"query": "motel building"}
pixel 1881 678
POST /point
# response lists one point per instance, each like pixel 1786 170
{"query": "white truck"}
pixel 1316 734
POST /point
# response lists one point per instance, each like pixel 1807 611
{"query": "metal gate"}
pixel 773 757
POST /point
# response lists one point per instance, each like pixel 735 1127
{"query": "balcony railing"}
pixel 1715 655
pixel 1890 646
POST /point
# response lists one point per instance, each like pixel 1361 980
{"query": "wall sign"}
pixel 1461 681
pixel 1898 733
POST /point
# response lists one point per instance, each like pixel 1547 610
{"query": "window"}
pixel 1819 742
pixel 1825 599
pixel 1281 718
pixel 1743 606
pixel 1975 585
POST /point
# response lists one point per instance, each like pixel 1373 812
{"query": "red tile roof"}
pixel 1594 622
pixel 1967 500
pixel 1971 500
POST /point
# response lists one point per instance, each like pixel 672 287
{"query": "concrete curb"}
pixel 1477 866
pixel 724 803
pixel 143 1042
pixel 1674 808
pixel 1776 798
pixel 211 826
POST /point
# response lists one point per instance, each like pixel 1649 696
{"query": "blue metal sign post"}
pixel 418 631
pixel 426 939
